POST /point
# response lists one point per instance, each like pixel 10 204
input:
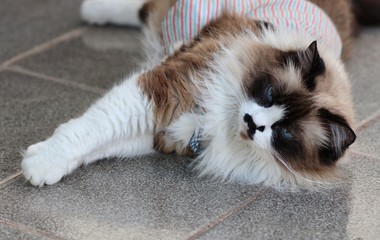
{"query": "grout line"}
pixel 360 154
pixel 27 229
pixel 202 230
pixel 367 122
pixel 10 178
pixel 45 46
pixel 18 69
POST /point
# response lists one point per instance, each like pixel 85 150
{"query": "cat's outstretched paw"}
pixel 100 12
pixel 94 11
pixel 40 167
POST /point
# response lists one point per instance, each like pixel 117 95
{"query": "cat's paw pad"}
pixel 40 168
pixel 94 11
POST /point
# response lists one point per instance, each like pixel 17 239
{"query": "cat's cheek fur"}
pixel 264 139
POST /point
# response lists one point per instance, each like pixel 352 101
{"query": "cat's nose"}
pixel 251 124
pixel 261 128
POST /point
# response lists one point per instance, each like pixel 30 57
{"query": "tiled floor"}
pixel 52 67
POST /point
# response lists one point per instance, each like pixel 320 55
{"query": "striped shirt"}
pixel 187 17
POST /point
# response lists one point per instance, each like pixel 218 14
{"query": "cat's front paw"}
pixel 100 12
pixel 40 167
pixel 94 11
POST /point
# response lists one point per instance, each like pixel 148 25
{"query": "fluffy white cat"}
pixel 250 99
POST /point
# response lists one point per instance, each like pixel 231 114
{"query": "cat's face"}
pixel 296 107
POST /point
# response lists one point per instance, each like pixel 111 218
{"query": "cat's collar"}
pixel 196 143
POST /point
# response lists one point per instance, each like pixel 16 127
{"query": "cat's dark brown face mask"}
pixel 293 110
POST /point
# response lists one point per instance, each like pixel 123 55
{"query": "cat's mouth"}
pixel 247 133
pixel 245 136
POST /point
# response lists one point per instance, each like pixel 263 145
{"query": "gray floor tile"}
pixel 289 216
pixel 30 110
pixel 101 57
pixel 25 24
pixel 350 211
pixel 365 71
pixel 7 233
pixel 368 141
pixel 364 218
pixel 156 197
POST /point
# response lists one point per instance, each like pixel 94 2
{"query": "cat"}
pixel 253 100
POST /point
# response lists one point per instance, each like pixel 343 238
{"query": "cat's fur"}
pixel 293 139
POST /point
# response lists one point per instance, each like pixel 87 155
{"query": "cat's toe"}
pixel 40 169
pixel 93 11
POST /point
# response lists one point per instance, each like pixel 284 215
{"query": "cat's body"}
pixel 253 102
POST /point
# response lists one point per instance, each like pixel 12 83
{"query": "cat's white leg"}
pixel 122 114
pixel 124 12
pixel 125 148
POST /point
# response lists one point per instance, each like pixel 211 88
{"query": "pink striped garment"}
pixel 187 17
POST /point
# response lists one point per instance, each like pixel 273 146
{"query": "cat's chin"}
pixel 253 141
pixel 250 139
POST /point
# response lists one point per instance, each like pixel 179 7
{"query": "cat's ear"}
pixel 340 136
pixel 312 65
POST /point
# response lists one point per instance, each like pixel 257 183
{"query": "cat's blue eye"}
pixel 269 94
pixel 286 134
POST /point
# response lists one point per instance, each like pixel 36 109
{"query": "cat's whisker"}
pixel 294 172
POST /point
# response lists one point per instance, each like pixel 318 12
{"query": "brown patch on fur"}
pixel 171 92
pixel 244 136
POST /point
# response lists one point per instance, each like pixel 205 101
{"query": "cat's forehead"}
pixel 297 69
pixel 287 90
